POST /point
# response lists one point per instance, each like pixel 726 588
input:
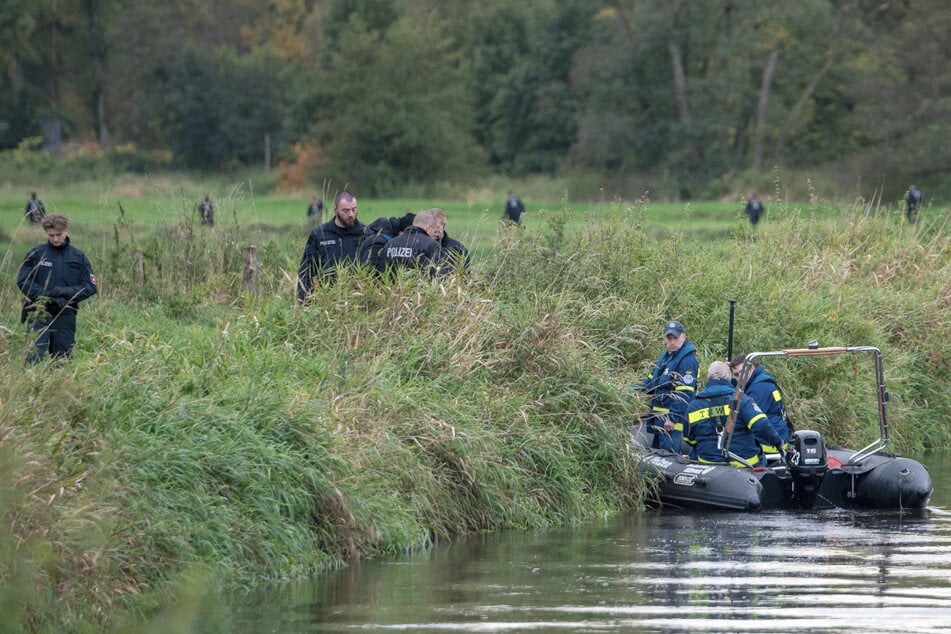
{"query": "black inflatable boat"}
pixel 813 476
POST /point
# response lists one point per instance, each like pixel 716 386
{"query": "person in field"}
pixel 913 203
pixel 35 209
pixel 514 209
pixel 331 245
pixel 671 385
pixel 54 278
pixel 754 208
pixel 206 211
pixel 315 210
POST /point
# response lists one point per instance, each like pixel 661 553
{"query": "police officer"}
pixel 672 385
pixel 206 211
pixel 418 246
pixel 331 245
pixel 382 230
pixel 61 276
pixel 707 417
pixel 35 209
pixel 762 388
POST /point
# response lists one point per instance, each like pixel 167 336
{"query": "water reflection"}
pixel 817 571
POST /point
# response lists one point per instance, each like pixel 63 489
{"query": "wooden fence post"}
pixel 251 268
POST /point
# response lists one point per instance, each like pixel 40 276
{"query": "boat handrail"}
pixel 814 349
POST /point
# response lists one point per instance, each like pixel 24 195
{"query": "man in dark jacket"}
pixel 381 231
pixel 913 203
pixel 514 209
pixel 331 245
pixel 206 211
pixel 672 385
pixel 709 412
pixel 35 210
pixel 54 277
pixel 417 247
pixel 754 207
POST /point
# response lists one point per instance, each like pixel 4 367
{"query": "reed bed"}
pixel 207 436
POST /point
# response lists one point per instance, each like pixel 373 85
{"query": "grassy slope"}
pixel 201 427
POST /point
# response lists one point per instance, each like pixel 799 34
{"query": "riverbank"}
pixel 205 429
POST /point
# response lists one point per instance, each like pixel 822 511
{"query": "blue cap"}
pixel 674 328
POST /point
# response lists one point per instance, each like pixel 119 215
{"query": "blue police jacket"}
pixel 672 385
pixel 707 417
pixel 762 388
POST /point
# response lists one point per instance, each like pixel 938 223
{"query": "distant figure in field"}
pixel 206 211
pixel 54 278
pixel 514 209
pixel 754 207
pixel 913 202
pixel 35 210
pixel 315 210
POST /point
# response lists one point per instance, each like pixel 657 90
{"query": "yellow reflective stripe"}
pixel 685 388
pixel 769 449
pixel 753 462
pixel 662 410
pixel 777 396
pixel 754 419
pixel 709 461
pixel 708 412
pixel 678 427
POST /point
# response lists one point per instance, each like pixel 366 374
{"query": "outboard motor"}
pixel 807 462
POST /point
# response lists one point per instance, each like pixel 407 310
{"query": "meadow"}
pixel 205 435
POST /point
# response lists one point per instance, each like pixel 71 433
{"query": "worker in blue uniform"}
pixel 762 388
pixel 707 418
pixel 672 385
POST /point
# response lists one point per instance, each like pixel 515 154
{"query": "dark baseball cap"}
pixel 674 328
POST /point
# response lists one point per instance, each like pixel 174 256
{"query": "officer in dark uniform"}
pixel 331 245
pixel 514 209
pixel 54 277
pixel 672 385
pixel 382 230
pixel 206 211
pixel 417 246
pixel 35 209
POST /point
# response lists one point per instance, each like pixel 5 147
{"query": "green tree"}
pixel 392 107
pixel 525 105
pixel 218 108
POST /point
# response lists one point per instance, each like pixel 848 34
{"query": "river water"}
pixel 659 571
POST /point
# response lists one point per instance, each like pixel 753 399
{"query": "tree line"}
pixel 383 93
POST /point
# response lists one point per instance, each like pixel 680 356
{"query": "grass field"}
pixel 204 429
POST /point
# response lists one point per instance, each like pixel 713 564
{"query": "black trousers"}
pixel 55 335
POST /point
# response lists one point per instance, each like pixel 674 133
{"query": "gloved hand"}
pixel 55 305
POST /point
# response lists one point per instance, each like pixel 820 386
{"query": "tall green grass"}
pixel 205 432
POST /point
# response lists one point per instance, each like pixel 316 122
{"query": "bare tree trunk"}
pixel 761 110
pixel 680 81
pixel 793 116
